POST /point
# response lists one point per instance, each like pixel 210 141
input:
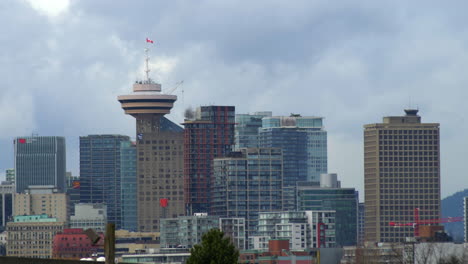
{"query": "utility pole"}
pixel 109 243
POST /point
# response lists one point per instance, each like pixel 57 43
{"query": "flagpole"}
pixel 147 65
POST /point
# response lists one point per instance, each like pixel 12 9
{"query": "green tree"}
pixel 214 248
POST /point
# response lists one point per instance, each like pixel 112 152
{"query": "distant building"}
pixel 100 173
pixel 208 135
pixel 329 196
pixel 127 242
pixel 278 251
pixel 32 236
pixel 186 231
pixel 73 243
pixel 38 200
pixel 246 183
pixel 300 228
pixel 401 173
pixel 92 216
pixel 10 175
pixel 7 191
pixel 40 161
pixel 235 229
pixel 246 129
pixel 465 217
pixel 163 255
pixel 128 182
pixel 303 141
pixel 160 154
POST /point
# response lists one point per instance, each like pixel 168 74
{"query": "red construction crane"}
pixel 417 222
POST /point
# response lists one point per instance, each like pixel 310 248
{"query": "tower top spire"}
pixel 147 69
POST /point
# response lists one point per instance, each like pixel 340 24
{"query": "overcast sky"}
pixel 63 63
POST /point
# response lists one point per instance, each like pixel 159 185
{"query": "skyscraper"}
pixel 208 135
pixel 7 190
pixel 401 173
pixel 160 159
pixel 40 161
pixel 128 185
pixel 10 175
pixel 100 173
pixel 247 182
pixel 304 144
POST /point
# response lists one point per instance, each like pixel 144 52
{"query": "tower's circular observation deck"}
pixel 147 99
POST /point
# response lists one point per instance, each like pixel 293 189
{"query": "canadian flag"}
pixel 149 40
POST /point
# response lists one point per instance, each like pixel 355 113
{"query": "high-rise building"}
pixel 209 134
pixel 7 190
pixel 160 157
pixel 40 161
pixel 303 229
pixel 100 173
pixel 330 196
pixel 361 224
pixel 234 228
pixel 128 185
pixel 10 175
pixel 92 216
pixel 246 129
pixel 304 144
pixel 401 173
pixel 247 182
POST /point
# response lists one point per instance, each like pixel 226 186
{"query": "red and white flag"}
pixel 149 41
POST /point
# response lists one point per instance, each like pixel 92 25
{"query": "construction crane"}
pixel 177 85
pixel 417 222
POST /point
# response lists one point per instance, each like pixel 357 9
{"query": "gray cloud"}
pixel 351 62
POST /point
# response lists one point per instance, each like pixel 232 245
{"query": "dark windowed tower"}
pixel 401 173
pixel 40 161
pixel 100 173
pixel 159 148
pixel 208 135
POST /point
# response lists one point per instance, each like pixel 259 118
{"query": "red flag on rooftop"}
pixel 149 40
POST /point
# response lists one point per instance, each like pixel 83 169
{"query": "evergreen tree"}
pixel 214 248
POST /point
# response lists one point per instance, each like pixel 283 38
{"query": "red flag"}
pixel 21 140
pixel 149 40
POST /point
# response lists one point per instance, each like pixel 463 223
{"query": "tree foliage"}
pixel 214 248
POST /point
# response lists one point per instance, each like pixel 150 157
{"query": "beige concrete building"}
pixel 160 155
pixel 401 173
pixel 32 236
pixel 42 200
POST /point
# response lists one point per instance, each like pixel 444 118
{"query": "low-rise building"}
pixel 73 243
pixel 234 228
pixel 89 215
pixel 32 236
pixel 127 242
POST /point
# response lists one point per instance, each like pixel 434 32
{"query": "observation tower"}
pixel 159 144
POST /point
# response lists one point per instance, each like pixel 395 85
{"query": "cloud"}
pixel 51 8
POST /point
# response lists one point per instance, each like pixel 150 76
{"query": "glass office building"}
pixel 344 201
pixel 128 185
pixel 246 130
pixel 40 161
pixel 248 182
pixel 100 179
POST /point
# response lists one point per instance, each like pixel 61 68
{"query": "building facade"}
pixel 38 200
pixel 100 173
pixel 361 224
pixel 304 144
pixel 160 158
pixel 246 129
pixel 401 173
pixel 40 161
pixel 465 218
pixel 32 236
pixel 128 190
pixel 234 228
pixel 208 135
pixel 303 229
pixel 329 196
pixel 7 191
pixel 92 216
pixel 248 182
pixel 10 175
pixel 186 231
pixel 73 243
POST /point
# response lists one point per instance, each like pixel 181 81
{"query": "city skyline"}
pixel 368 63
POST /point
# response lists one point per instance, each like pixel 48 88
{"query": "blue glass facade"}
pixel 128 186
pixel 342 200
pixel 246 130
pixel 100 173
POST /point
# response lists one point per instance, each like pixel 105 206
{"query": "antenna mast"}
pixel 147 70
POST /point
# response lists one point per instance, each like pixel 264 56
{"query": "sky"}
pixel 64 62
